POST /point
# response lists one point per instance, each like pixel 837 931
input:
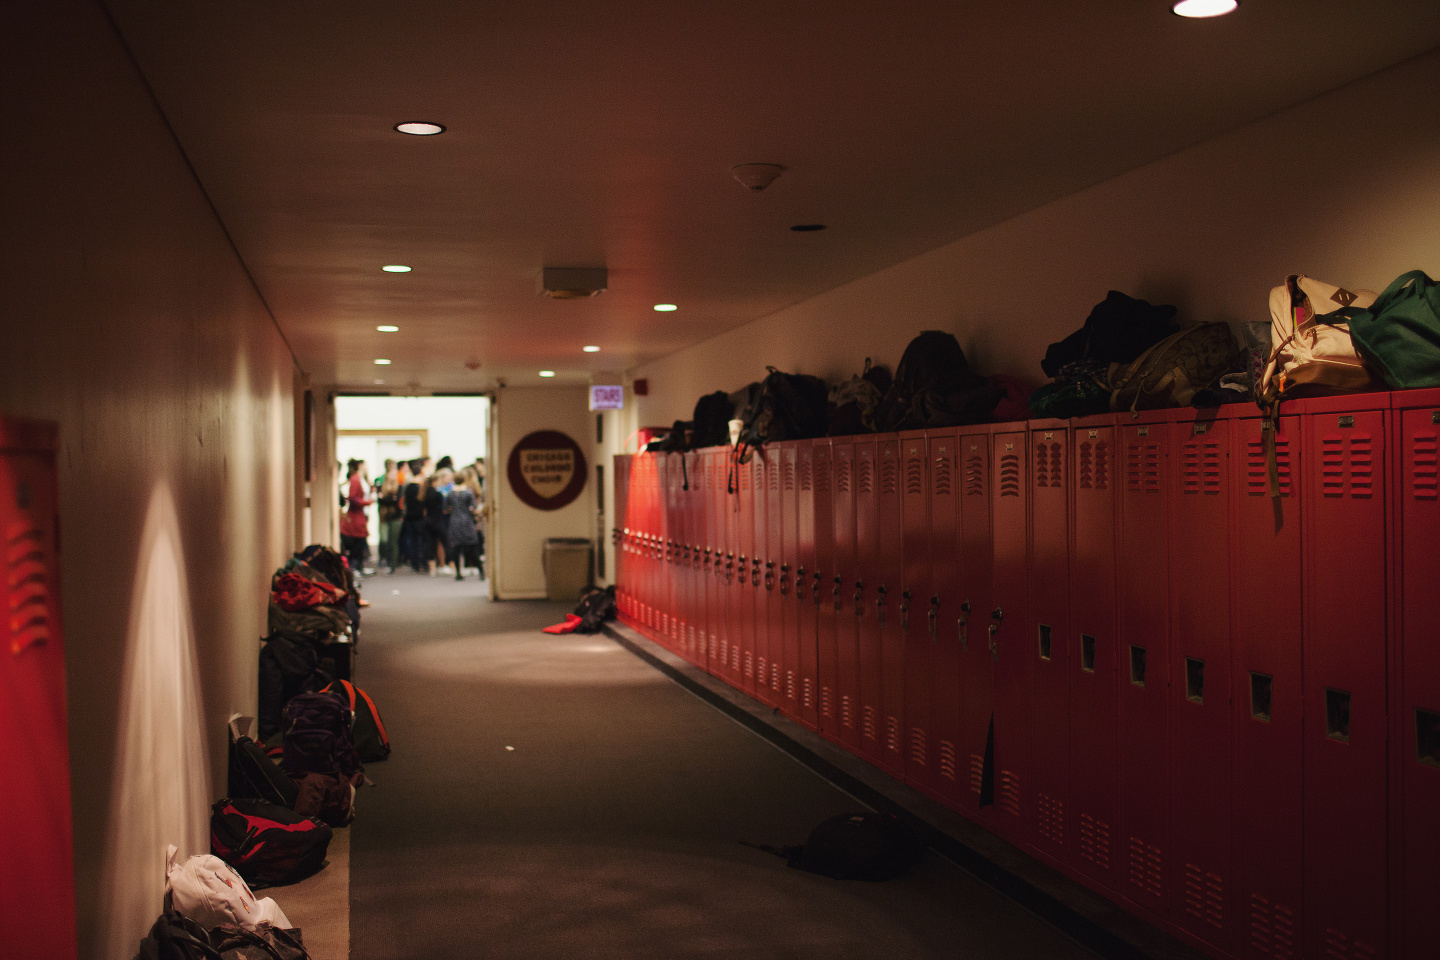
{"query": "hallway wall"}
pixel 129 320
pixel 1345 187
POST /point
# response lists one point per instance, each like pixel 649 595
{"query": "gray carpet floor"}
pixel 557 797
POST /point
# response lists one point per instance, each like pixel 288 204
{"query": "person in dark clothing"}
pixel 414 546
pixel 437 523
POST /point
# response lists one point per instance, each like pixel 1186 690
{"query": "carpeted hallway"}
pixel 558 797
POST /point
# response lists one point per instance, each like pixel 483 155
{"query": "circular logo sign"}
pixel 546 470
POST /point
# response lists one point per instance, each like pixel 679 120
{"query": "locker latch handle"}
pixel 815 593
pixel 995 617
pixel 934 617
pixel 962 625
pixel 880 604
pixel 785 579
pixel 859 593
pixel 836 595
pixel 755 572
pixel 769 574
pixel 905 611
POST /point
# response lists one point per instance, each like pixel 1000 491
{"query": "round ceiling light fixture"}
pixel 547 373
pixel 756 176
pixel 388 328
pixel 420 128
pixel 666 307
pixel 382 362
pixel 1200 9
pixel 395 268
pixel 591 349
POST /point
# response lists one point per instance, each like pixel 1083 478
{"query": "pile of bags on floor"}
pixel 596 606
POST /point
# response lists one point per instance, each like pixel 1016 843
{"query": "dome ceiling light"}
pixel 1200 9
pixel 756 176
pixel 420 128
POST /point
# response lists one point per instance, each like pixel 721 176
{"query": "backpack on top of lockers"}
pixel 1310 342
pixel 935 387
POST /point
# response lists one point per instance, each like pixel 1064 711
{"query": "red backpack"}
pixel 267 844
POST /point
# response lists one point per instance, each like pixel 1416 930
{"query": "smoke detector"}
pixel 756 176
pixel 573 283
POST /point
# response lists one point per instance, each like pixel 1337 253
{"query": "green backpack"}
pixel 1399 334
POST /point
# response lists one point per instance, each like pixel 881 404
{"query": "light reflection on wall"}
pixel 160 791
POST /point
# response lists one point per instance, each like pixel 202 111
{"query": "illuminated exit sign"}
pixel 607 398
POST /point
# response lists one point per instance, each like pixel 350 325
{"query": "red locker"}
pixel 742 650
pixel 847 593
pixel 717 644
pixel 1009 640
pixel 37 878
pixel 733 580
pixel 805 583
pixel 1048 642
pixel 1200 877
pixel 695 540
pixel 1094 654
pixel 764 470
pixel 1142 578
pixel 1266 698
pixel 788 674
pixel 825 585
pixel 664 581
pixel 671 577
pixel 892 606
pixel 773 674
pixel 619 532
pixel 975 563
pixel 1343 488
pixel 1417 757
pixel 869 601
pixel 940 614
pixel 918 614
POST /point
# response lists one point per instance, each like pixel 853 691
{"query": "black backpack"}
pixel 1118 330
pixel 856 846
pixel 318 737
pixel 710 424
pixel 935 387
pixel 789 406
pixel 267 844
pixel 253 774
pixel 597 605
pixel 175 936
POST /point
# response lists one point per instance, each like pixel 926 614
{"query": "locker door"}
pixel 620 533
pixel 1094 655
pixel 774 558
pixel 869 600
pixel 941 614
pixel 766 475
pixel 1266 702
pixel 1200 877
pixel 805 582
pixel 920 653
pixel 718 596
pixel 846 593
pixel 742 650
pixel 788 676
pixel 37 874
pixel 730 645
pixel 674 552
pixel 890 606
pixel 825 595
pixel 1048 642
pixel 1009 640
pixel 975 561
pixel 695 537
pixel 1418 754
pixel 640 487
pixel 663 579
pixel 1142 578
pixel 1344 682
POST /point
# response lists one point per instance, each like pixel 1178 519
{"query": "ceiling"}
pixel 584 134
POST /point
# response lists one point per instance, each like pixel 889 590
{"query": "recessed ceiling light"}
pixel 1198 9
pixel 591 349
pixel 420 128
pixel 807 227
pixel 666 307
pixel 382 363
pixel 395 268
pixel 547 373
pixel 388 328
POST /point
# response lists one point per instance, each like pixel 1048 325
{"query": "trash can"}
pixel 567 563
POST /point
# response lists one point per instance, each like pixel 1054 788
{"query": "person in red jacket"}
pixel 355 524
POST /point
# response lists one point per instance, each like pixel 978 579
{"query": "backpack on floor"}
pixel 268 845
pixel 596 606
pixel 318 737
pixel 368 731
pixel 265 942
pixel 175 936
pixel 935 387
pixel 856 846
pixel 207 890
pixel 328 798
pixel 252 774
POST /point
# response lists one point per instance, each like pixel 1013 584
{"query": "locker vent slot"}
pixel 749 663
pixel 1204 896
pixel 847 713
pixel 843 469
pixel 1087 653
pixel 975 476
pixel 865 482
pixel 790 689
pixel 1147 868
pixel 807 694
pixel 1427 737
pixel 1010 475
pixel 788 475
pixel 1260 685
pixel 1257 468
pixel 1347 462
pixel 1085 465
pixel 1010 792
pixel 1137 665
pixel 822 473
pixel 764 677
pixel 1200 471
pixel 28 586
pixel 1102 465
pixel 947 760
pixel 1095 841
pixel 1042 465
pixel 893 741
pixel 868 727
pixel 807 474
pixel 942 478
pixel 1044 631
pixel 889 475
pixel 1337 715
pixel 744 482
pixel 1050 818
pixel 977 773
pixel 826 707
pixel 775 677
pixel 919 749
pixel 1425 466
pixel 1339 946
pixel 1194 680
pixel 772 473
pixel 735 657
pixel 915 477
pixel 1143 467
pixel 1272 928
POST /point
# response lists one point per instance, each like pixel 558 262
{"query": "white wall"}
pixel 456 425
pixel 1345 187
pixel 518 531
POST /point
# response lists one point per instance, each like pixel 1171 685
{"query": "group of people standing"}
pixel 431 516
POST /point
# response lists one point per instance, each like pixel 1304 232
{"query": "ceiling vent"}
pixel 573 283
pixel 756 176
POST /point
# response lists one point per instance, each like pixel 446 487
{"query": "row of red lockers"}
pixel 1104 641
